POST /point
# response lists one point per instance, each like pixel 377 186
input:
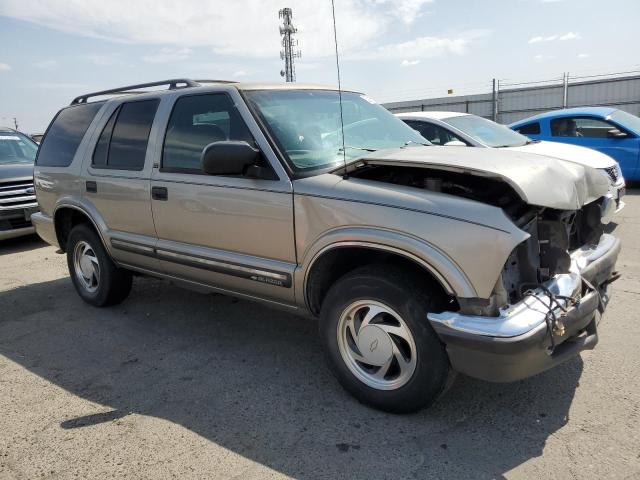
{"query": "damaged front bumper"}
pixel 518 342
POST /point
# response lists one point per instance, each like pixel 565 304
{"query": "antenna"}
pixel 335 39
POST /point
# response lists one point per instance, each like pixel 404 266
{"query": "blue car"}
pixel 608 130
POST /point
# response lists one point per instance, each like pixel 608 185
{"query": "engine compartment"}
pixel 553 233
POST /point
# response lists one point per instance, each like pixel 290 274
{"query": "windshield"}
pixel 306 126
pixel 485 131
pixel 626 120
pixel 16 148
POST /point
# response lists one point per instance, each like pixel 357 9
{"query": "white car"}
pixel 464 129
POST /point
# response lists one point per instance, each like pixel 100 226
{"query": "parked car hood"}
pixel 539 180
pixel 573 153
pixel 16 171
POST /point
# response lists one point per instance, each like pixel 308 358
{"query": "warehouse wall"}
pixel 514 104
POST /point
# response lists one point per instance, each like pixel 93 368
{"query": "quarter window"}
pixel 529 129
pixel 65 133
pixel 123 142
pixel 197 121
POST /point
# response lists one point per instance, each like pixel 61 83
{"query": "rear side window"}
pixel 529 129
pixel 65 133
pixel 123 142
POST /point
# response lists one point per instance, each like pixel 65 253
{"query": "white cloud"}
pixel 168 55
pixel 571 36
pixel 539 39
pixel 551 38
pixel 423 47
pixel 409 63
pixel 406 10
pixel 4 67
pixel 245 28
pixel 44 64
pixel 240 73
pixel 583 55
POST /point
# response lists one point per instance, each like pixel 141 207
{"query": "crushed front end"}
pixel 548 301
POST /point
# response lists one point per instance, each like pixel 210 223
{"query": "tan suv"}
pixel 419 261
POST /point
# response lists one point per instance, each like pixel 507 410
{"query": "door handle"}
pixel 159 193
pixel 91 186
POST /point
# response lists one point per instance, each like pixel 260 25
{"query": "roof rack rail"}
pixel 173 84
pixel 216 81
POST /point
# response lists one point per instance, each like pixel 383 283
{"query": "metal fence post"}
pixel 493 102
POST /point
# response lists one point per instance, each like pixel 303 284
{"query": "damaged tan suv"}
pixel 418 261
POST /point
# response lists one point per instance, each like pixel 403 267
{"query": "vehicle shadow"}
pixel 21 244
pixel 254 381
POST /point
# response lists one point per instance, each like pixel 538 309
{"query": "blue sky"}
pixel 54 50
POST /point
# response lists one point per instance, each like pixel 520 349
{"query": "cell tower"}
pixel 287 30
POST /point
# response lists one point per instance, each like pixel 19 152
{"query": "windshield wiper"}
pixel 411 142
pixel 364 149
pixel 531 140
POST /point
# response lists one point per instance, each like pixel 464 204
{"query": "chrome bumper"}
pixel 516 343
pixel 531 312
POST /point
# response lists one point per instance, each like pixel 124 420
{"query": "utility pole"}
pixel 287 30
pixel 15 122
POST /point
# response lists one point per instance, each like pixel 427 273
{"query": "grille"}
pixel 613 173
pixel 15 195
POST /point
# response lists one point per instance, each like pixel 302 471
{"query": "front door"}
pixel 595 133
pixel 231 232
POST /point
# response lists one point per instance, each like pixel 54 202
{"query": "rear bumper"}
pixel 517 343
pixel 45 228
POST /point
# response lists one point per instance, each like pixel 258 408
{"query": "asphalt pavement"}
pixel 177 384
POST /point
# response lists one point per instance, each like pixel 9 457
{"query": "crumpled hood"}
pixel 539 180
pixel 573 153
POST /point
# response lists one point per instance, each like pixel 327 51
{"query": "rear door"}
pixel 117 180
pixel 231 232
pixel 594 133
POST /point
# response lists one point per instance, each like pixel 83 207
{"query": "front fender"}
pixel 443 268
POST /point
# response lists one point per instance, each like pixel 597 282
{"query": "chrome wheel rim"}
pixel 86 266
pixel 376 345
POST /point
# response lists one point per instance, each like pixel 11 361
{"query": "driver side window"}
pixel 588 127
pixel 195 122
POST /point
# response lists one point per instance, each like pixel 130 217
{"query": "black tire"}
pixel 411 299
pixel 114 283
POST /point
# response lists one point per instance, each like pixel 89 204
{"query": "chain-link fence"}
pixel 509 102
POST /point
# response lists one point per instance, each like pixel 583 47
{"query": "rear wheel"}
pixel 379 342
pixel 96 278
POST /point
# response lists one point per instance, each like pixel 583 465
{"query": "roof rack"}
pixel 173 84
pixel 215 81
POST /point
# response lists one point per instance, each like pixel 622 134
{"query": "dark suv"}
pixel 17 195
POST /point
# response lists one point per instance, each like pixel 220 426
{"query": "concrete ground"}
pixel 175 384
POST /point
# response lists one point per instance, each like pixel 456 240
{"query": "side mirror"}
pixel 228 158
pixel 615 133
pixel 455 143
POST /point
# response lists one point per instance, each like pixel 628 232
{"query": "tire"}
pixel 398 338
pixel 95 277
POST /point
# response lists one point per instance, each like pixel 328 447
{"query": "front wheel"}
pixel 379 342
pixel 96 278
